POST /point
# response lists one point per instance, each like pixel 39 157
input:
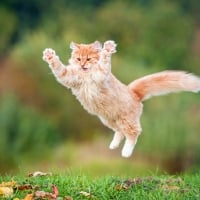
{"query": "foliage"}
pixel 170 126
pixel 8 30
pixel 152 35
pixel 23 131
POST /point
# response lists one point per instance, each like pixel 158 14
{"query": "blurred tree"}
pixel 7 30
pixel 157 35
pixel 23 131
pixel 24 16
pixel 191 7
pixel 152 35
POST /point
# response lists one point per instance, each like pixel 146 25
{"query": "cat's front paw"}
pixel 48 54
pixel 110 46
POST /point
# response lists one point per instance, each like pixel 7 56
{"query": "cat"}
pixel 118 106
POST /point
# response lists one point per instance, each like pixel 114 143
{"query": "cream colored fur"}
pixel 117 105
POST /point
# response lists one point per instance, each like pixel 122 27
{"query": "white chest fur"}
pixel 89 95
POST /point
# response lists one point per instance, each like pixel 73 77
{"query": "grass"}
pixel 73 186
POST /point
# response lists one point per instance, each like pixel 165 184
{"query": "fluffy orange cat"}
pixel 118 106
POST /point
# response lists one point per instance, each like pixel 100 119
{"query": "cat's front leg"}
pixel 109 48
pixel 59 70
pixel 49 55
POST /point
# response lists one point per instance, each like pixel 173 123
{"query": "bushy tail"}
pixel 164 82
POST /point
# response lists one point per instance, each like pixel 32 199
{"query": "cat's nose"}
pixel 83 64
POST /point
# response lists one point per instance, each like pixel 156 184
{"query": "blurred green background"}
pixel 43 127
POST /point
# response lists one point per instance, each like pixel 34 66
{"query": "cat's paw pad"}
pixel 110 46
pixel 48 54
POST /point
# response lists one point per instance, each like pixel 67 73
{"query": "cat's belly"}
pixel 106 103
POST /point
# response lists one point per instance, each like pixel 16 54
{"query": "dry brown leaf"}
pixel 129 183
pixel 25 187
pixel 47 195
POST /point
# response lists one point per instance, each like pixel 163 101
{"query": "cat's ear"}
pixel 97 46
pixel 73 45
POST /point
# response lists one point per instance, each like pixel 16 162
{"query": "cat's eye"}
pixel 78 59
pixel 88 59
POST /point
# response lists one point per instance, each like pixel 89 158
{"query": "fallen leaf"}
pixel 55 190
pixel 40 194
pixel 68 198
pixel 25 187
pixel 8 184
pixel 129 183
pixel 28 197
pixel 47 195
pixel 6 191
pixel 38 173
pixel 86 194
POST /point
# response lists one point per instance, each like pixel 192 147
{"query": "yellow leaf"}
pixel 8 184
pixel 6 191
pixel 28 197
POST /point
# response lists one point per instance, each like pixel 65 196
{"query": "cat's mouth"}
pixel 85 68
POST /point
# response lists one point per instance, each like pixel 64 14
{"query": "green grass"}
pixel 110 187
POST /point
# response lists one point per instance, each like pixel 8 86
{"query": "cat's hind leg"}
pixel 128 147
pixel 131 133
pixel 118 137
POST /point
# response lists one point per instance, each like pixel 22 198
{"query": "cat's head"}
pixel 85 55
